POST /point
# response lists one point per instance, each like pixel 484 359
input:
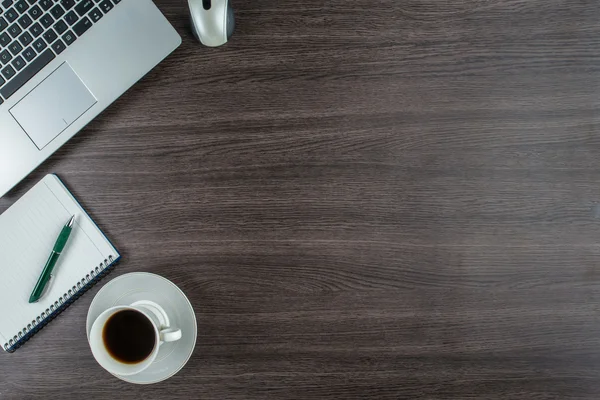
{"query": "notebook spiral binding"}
pixel 62 303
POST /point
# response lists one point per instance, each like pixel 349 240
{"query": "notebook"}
pixel 28 231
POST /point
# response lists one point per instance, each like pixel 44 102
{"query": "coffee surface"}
pixel 129 336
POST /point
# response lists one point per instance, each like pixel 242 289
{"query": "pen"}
pixel 60 244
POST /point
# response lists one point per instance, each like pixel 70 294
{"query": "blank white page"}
pixel 28 231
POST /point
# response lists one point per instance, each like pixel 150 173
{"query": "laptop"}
pixel 62 62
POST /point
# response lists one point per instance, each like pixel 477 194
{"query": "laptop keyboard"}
pixel 34 32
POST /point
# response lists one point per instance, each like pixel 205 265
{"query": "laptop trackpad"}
pixel 53 105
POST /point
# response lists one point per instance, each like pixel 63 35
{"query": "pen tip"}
pixel 71 221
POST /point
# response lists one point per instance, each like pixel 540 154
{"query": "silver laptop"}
pixel 64 61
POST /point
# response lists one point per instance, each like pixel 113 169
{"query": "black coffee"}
pixel 129 336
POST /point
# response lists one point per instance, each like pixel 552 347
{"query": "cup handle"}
pixel 170 335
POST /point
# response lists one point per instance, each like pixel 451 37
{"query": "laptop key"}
pixel 4 40
pixel 46 4
pixel 47 20
pixel 36 29
pixel 11 15
pixel 83 7
pixel 7 3
pixel 57 11
pixel 14 30
pixel 5 57
pixel 71 18
pixel 28 54
pixel 82 26
pixel 15 48
pixel 95 14
pixel 25 39
pixel 2 82
pixel 58 46
pixel 25 21
pixel 67 4
pixel 3 24
pixel 8 72
pixel 106 6
pixel 21 6
pixel 35 12
pixel 69 38
pixel 27 73
pixel 18 63
pixel 50 36
pixel 60 27
pixel 39 45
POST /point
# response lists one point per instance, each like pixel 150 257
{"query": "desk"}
pixel 362 198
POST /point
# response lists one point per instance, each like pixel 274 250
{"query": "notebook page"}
pixel 28 231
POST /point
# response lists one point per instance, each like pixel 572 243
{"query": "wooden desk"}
pixel 362 198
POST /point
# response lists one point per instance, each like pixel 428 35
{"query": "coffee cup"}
pixel 125 340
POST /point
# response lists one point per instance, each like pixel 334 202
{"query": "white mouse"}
pixel 213 21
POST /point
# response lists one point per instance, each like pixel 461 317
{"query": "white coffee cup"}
pixel 162 330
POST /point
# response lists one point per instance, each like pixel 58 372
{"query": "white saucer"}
pixel 136 286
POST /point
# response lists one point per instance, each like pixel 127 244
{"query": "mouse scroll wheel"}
pixel 207 4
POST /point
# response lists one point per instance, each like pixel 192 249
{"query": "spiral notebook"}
pixel 28 231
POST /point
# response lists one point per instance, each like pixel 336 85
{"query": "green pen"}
pixel 60 244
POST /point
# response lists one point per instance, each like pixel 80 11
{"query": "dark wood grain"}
pixel 362 198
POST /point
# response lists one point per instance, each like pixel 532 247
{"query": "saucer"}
pixel 129 288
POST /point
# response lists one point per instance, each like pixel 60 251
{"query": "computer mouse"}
pixel 213 21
